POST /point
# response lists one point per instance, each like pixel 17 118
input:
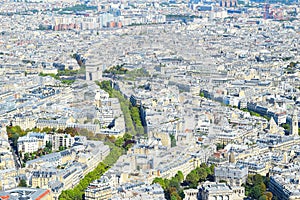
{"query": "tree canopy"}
pixel 131 113
pixel 172 187
pixel 115 152
pixel 256 186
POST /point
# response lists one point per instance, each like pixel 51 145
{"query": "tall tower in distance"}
pixel 294 127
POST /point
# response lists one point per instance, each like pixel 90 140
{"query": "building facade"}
pixel 234 175
pixel 215 191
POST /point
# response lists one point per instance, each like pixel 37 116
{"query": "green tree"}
pixel 220 146
pixel 127 137
pixel 259 187
pixel 35 129
pixel 112 139
pixel 22 183
pixel 257 179
pixel 175 196
pixel 61 148
pixel 47 130
pixel 263 197
pixel 172 187
pixel 181 193
pixel 286 126
pixel 208 170
pixel 13 133
pixel 202 174
pixel 173 140
pixel 192 179
pixel 132 127
pixel 60 131
pixel 269 195
pixel 263 187
pixel 71 131
pixel 174 182
pixel 172 193
pixel 160 181
pixel 119 141
pixel 255 186
pixel 212 169
pixel 49 145
pixel 135 114
pixel 255 192
pixel 179 176
pixel 26 157
pixel 78 191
